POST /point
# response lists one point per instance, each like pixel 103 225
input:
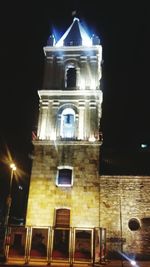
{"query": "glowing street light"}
pixel 133 262
pixel 9 200
pixel 13 168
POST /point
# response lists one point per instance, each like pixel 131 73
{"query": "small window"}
pixel 64 177
pixel 134 224
pixel 62 218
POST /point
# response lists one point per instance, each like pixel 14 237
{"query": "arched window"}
pixel 67 123
pixel 70 76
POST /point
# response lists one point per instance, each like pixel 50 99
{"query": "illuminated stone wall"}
pixel 123 198
pixel 82 199
pixel 111 204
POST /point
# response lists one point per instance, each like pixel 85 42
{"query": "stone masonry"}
pixel 121 199
pixel 82 199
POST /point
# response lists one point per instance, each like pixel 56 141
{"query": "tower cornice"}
pixel 84 93
pixel 72 48
pixel 66 143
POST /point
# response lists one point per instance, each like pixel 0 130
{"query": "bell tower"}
pixel 65 167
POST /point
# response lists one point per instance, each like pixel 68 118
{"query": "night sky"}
pixel 124 31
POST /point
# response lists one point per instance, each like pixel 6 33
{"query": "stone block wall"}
pixel 125 199
pixel 112 202
pixel 82 198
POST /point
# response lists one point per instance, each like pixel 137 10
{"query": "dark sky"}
pixel 124 31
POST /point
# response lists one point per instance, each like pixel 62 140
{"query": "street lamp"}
pixel 121 223
pixel 121 239
pixel 9 199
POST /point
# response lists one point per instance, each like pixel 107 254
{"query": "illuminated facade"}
pixel 66 188
pixel 65 166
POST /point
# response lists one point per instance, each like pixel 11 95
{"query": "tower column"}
pixel 93 126
pixel 78 77
pixel 81 134
pixel 43 120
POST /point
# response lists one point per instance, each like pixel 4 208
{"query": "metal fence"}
pixel 53 244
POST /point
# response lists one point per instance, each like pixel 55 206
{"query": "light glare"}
pixel 13 167
pixel 133 262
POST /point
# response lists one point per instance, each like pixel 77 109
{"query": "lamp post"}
pixel 121 225
pixel 9 199
pixel 120 207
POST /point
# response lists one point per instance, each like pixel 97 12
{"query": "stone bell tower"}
pixel 64 185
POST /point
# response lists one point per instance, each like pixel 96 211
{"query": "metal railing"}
pixel 52 244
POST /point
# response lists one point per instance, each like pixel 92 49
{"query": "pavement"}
pixel 112 263
pixel 120 263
